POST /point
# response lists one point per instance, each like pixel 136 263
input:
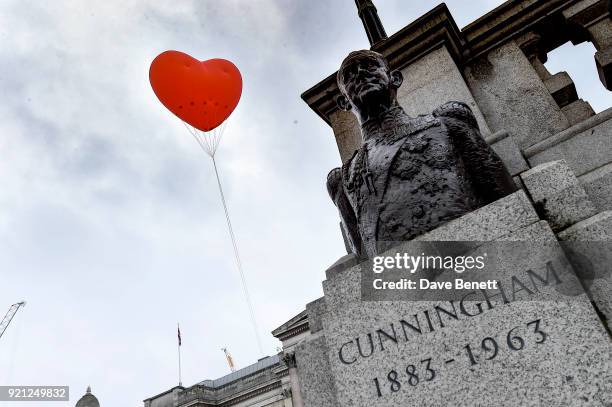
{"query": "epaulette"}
pixel 456 110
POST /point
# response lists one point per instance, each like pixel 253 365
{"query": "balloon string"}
pixel 238 261
pixel 210 148
pixel 208 141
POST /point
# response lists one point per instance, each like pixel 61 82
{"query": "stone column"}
pixel 560 85
pixel 602 35
pixel 433 80
pixel 296 394
pixel 594 17
pixel 512 95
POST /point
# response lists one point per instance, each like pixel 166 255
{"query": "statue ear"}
pixel 343 103
pixel 396 79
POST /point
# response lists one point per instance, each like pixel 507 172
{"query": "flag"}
pixel 179 334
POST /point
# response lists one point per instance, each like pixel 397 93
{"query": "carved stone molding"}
pixel 289 359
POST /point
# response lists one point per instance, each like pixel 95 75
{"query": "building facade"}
pixel 262 384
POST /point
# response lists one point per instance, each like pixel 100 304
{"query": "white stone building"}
pixel 262 384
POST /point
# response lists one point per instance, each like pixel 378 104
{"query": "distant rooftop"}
pixel 251 380
pixel 245 371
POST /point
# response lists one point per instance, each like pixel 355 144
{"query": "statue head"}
pixel 367 84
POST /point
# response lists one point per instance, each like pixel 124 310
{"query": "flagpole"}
pixel 179 354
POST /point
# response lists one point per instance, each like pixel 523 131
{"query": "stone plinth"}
pixel 584 146
pixel 552 348
pixel 578 111
pixel 592 240
pixel 558 195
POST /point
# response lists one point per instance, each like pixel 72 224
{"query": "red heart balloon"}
pixel 201 93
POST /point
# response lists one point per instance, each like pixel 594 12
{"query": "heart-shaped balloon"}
pixel 201 93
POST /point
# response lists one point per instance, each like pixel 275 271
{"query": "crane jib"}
pixel 9 316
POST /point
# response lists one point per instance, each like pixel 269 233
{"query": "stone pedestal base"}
pixel 544 348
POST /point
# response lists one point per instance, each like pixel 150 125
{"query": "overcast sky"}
pixel 110 221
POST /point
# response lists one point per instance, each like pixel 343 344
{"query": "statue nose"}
pixel 360 72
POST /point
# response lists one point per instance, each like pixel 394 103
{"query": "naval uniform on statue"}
pixel 411 174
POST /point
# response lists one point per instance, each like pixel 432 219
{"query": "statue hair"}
pixel 361 54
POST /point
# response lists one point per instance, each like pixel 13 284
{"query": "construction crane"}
pixel 230 361
pixel 9 316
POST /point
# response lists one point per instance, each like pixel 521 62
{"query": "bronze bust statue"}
pixel 411 174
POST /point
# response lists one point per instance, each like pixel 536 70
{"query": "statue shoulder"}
pixel 456 110
pixel 334 182
pixel 352 169
pixel 350 163
pixel 337 176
